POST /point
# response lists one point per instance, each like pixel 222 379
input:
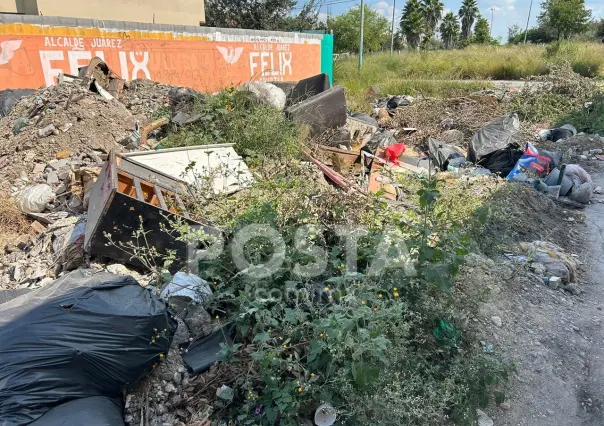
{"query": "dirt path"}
pixel 556 341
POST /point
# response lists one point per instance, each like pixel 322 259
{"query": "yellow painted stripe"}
pixel 30 30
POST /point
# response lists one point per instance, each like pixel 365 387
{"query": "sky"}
pixel 505 12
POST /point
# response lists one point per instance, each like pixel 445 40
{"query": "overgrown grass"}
pixel 477 62
pixel 256 129
pixel 434 73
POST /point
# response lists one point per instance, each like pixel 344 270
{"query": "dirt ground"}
pixel 555 339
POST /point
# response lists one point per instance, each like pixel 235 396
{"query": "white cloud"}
pixel 511 4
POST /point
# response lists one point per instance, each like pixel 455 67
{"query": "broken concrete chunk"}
pixel 38 168
pixel 52 178
pixel 46 131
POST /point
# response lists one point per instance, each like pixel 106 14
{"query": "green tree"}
pixel 513 32
pixel 467 13
pixel 413 23
pixel 307 19
pixel 252 14
pixel 565 17
pixel 449 30
pixel 347 33
pixel 482 32
pixel 433 13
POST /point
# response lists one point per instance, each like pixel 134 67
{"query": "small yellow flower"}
pixel 395 289
pixel 298 382
pixel 155 329
pixel 217 316
pixel 162 356
pixel 165 330
pixel 380 296
pixel 329 298
pixel 152 340
pixel 375 309
pixel 326 289
pixel 363 302
pixel 312 374
pixel 321 335
pixel 300 390
pixel 396 294
pixel 284 346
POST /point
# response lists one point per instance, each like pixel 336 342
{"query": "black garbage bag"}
pixel 9 97
pixel 93 411
pixel 496 135
pixel 502 161
pixel 441 154
pixel 398 101
pixel 87 334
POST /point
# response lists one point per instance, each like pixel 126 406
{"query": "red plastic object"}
pixel 393 152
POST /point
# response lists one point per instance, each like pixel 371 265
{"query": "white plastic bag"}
pixel 268 93
pixel 187 285
pixel 34 199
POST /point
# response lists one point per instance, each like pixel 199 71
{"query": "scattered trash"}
pixel 187 285
pixel 307 88
pixel 325 415
pixel 267 93
pixel 98 77
pixel 202 353
pixel 393 152
pixel 444 155
pixel 558 133
pixel 326 110
pixel 35 198
pixel 218 166
pixel 9 97
pixel 556 261
pixel 123 202
pixel 83 305
pixel 495 146
pixel 531 164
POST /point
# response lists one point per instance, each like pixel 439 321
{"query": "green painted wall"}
pixel 327 56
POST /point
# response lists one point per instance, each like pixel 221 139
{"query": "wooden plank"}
pixel 160 198
pixel 137 187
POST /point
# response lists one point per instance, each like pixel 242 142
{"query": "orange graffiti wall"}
pixel 31 59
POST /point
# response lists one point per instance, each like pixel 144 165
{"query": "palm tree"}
pixel 433 12
pixel 449 30
pixel 468 13
pixel 413 23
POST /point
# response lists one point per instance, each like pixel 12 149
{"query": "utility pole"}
pixel 491 29
pixel 527 21
pixel 392 35
pixel 361 41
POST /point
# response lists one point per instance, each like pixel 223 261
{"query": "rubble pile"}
pixel 65 122
pixel 145 97
pixel 69 156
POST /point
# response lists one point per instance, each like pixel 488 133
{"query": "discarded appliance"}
pixel 98 77
pixel 324 111
pixel 219 164
pixel 89 334
pixel 127 196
